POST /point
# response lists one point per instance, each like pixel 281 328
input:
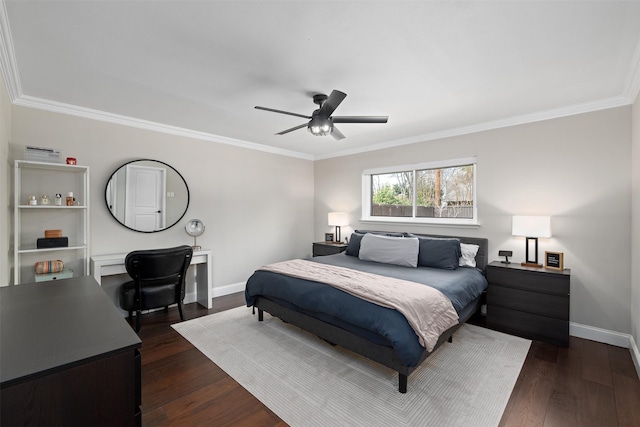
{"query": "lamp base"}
pixel 530 264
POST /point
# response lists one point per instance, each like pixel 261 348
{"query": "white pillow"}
pixel 468 258
pixel 390 250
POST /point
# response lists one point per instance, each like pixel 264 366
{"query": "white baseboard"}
pixel 600 335
pixel 635 354
pixel 219 291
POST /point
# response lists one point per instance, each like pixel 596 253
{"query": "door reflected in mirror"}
pixel 147 195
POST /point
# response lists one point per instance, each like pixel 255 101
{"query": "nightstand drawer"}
pixel 528 325
pixel 556 306
pixel 328 248
pixel 534 281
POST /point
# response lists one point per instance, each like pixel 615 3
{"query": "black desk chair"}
pixel 158 280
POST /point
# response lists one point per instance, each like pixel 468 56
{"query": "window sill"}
pixel 429 222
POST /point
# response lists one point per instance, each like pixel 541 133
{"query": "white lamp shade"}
pixel 531 226
pixel 338 219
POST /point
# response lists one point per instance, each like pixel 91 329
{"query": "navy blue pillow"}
pixel 353 248
pixel 439 253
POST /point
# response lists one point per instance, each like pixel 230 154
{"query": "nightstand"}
pixel 328 248
pixel 529 302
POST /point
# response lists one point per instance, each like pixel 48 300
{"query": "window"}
pixel 438 192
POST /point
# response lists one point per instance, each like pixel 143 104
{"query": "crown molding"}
pixel 496 124
pixel 8 64
pixel 88 113
pixel 633 80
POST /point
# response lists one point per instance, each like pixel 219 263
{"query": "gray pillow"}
pixel 389 250
pixel 353 248
pixel 439 253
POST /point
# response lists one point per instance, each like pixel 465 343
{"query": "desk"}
pixel 109 265
pixel 67 357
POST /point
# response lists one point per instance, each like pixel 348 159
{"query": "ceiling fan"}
pixel 321 122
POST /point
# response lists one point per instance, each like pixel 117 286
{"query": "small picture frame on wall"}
pixel 554 260
pixel 328 237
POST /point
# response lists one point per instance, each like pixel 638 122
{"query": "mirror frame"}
pixel 106 188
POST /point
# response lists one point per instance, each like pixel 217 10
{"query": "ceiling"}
pixel 436 68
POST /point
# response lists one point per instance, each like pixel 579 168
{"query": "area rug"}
pixel 308 382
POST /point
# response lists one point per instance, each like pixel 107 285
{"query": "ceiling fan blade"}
pixel 329 106
pixel 282 112
pixel 360 119
pixel 292 129
pixel 336 134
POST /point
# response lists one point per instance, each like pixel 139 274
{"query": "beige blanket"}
pixel 427 310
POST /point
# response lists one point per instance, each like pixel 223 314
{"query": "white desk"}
pixel 112 264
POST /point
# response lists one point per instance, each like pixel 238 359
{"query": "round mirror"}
pixel 147 195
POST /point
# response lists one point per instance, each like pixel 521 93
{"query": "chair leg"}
pixel 180 310
pixel 138 315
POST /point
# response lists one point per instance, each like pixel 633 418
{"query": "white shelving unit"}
pixel 37 179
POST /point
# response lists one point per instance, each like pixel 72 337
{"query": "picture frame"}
pixel 328 237
pixel 554 260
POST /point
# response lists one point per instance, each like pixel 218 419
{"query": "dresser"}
pixel 67 357
pixel 529 302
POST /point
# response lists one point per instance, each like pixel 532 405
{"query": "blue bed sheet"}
pixel 461 286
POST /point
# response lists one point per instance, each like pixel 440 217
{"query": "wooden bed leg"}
pixel 402 383
pixel 450 338
pixel 260 315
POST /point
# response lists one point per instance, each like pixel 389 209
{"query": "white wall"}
pixel 257 207
pixel 575 169
pixel 635 230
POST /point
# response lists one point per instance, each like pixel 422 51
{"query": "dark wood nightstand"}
pixel 328 248
pixel 529 302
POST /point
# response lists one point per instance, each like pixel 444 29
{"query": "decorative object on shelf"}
pixel 33 201
pixel 52 233
pixel 328 237
pixel 70 199
pixel 338 219
pixel 554 260
pixel 532 228
pixel 194 228
pixel 51 266
pixel 71 160
pixel 44 199
pixel 506 255
pixel 58 200
pixel 52 242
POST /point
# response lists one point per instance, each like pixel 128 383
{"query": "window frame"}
pixel 367 194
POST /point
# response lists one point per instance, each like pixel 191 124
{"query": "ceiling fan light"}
pixel 320 127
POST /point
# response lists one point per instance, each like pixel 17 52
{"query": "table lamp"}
pixel 532 228
pixel 337 219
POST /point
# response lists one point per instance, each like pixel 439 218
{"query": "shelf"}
pixel 50 207
pixel 51 166
pixel 35 178
pixel 65 248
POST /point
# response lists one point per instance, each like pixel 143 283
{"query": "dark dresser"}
pixel 529 302
pixel 67 357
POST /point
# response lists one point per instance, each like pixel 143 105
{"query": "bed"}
pixel 381 333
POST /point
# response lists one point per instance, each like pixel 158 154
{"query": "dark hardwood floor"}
pixel 587 384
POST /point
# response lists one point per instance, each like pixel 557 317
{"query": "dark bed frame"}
pixel 382 354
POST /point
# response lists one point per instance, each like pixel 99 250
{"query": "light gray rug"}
pixel 307 382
